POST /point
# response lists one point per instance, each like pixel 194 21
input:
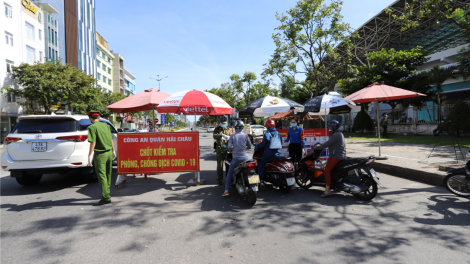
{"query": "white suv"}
pixel 44 144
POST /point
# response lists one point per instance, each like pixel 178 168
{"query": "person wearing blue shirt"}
pixel 265 143
pixel 296 140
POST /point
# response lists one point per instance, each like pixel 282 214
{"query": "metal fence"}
pixel 415 115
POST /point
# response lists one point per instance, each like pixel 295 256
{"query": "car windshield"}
pixel 46 125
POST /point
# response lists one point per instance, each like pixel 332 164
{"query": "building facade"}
pixel 129 83
pixel 22 26
pixel 76 25
pixel 104 65
pixel 118 74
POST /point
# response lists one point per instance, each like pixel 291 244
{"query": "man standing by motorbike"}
pixel 270 150
pixel 296 140
pixel 337 147
pixel 237 145
pixel 221 148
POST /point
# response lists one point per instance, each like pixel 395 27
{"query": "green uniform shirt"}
pixel 384 122
pixel 101 134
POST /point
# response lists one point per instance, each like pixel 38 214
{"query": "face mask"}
pixel 293 124
pixel 223 125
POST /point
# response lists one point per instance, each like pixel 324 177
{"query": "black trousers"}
pixel 385 134
pixel 295 152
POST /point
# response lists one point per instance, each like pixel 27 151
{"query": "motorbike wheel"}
pixel 285 189
pixel 302 179
pixel 371 190
pixel 456 185
pixel 251 196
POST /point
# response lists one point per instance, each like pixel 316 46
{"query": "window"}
pixel 31 54
pixel 109 60
pixel 40 34
pixel 98 64
pixel 39 16
pixel 103 67
pixel 99 76
pixel 45 125
pixel 55 32
pixel 49 33
pixel 11 98
pixel 9 38
pixel 55 23
pixel 52 34
pixel 109 70
pixel 40 56
pixel 50 53
pixel 104 79
pixel 56 55
pixel 109 81
pixel 9 65
pixel 8 11
pixel 48 18
pixel 29 31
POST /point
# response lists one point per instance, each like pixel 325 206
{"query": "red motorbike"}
pixel 279 170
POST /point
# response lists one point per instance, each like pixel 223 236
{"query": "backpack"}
pixel 275 141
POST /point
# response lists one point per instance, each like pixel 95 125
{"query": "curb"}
pixel 410 174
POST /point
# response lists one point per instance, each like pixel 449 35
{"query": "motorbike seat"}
pixel 242 162
pixel 348 161
pixel 278 158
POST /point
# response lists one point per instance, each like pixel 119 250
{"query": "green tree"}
pixel 248 78
pixel 438 10
pixel 290 90
pixel 49 84
pixel 307 42
pixel 437 76
pixel 391 67
pixel 259 90
pixel 459 118
pixel 363 122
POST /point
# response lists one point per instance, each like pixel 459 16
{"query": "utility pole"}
pixel 158 80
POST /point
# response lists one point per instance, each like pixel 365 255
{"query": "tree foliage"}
pixel 392 67
pixel 438 10
pixel 459 118
pixel 49 84
pixel 290 90
pixel 363 122
pixel 307 43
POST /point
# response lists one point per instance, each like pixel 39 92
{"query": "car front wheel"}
pixel 27 180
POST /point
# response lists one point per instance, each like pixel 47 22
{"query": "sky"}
pixel 200 44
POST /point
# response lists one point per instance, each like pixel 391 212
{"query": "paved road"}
pixel 160 220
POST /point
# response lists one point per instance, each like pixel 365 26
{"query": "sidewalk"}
pixel 408 161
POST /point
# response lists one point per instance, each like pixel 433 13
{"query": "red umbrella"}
pixel 380 92
pixel 147 100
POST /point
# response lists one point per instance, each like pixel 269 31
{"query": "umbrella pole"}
pixel 154 124
pixel 197 173
pixel 377 120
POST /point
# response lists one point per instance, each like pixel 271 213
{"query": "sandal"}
pixel 225 194
pixel 325 195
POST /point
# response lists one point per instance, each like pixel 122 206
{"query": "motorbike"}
pixel 245 179
pixel 458 180
pixel 351 175
pixel 279 171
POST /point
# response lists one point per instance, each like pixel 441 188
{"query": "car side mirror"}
pixel 119 130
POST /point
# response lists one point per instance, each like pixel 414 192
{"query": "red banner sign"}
pixel 312 136
pixel 158 152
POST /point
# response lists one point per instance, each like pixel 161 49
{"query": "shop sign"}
pixel 28 6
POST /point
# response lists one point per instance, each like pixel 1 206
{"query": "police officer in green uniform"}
pixel 221 149
pixel 101 143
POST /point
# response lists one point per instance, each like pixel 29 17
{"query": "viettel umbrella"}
pixel 195 103
pixel 268 106
pixel 380 92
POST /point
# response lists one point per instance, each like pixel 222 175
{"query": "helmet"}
pixel 333 124
pixel 270 123
pixel 239 124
